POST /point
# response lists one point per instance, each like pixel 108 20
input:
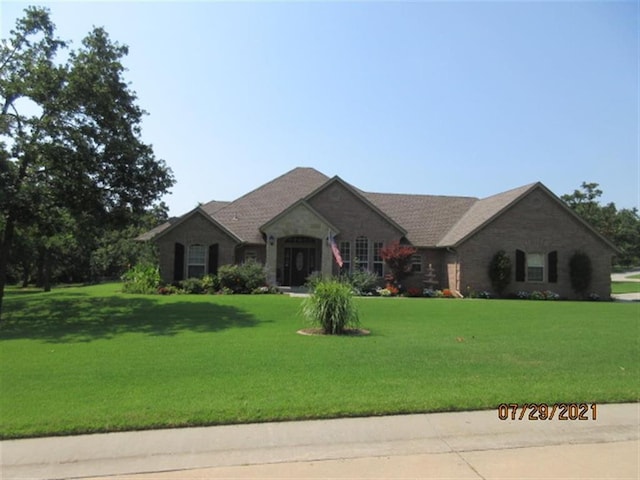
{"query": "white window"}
pixel 345 253
pixel 416 263
pixel 378 264
pixel 250 256
pixel 196 261
pixel 535 267
pixel 362 253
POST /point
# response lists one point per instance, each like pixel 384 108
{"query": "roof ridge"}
pixel 264 185
pixel 421 195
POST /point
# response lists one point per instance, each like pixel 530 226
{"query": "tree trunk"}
pixel 46 284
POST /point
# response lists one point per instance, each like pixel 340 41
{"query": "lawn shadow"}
pixel 78 317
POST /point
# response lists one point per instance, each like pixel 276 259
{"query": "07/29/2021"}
pixel 544 411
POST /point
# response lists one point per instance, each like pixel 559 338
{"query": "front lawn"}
pixel 625 287
pixel 91 359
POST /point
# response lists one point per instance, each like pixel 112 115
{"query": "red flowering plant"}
pixel 414 292
pixel 446 293
pixel 393 290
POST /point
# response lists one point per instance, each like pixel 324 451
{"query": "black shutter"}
pixel 213 259
pixel 552 264
pixel 178 262
pixel 520 264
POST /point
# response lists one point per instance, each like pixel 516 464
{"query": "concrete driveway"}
pixel 624 277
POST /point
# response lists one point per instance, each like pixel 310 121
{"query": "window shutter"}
pixel 213 259
pixel 520 266
pixel 552 261
pixel 178 262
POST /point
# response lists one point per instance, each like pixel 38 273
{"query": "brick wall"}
pixel 353 218
pixel 536 224
pixel 194 230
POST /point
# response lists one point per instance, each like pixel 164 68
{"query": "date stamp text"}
pixel 544 411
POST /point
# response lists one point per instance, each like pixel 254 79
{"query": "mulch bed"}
pixel 349 332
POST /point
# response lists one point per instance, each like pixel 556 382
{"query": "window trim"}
pixel 362 261
pixel 345 253
pixel 378 262
pixel 416 261
pixel 190 263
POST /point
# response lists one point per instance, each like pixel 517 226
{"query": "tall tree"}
pixel 621 227
pixel 69 135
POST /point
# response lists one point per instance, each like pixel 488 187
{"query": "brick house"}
pixel 285 225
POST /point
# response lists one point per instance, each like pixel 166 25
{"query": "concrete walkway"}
pixel 475 445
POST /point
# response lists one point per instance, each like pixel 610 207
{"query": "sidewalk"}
pixel 475 445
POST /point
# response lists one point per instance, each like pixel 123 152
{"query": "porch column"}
pixel 271 261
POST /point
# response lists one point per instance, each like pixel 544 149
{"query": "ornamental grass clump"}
pixel 331 307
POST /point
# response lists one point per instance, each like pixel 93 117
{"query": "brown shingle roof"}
pixel 426 218
pixel 481 212
pixel 151 234
pixel 429 220
pixel 245 215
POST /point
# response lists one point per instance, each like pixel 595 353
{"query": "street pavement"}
pixel 472 445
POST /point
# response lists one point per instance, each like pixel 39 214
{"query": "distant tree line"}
pixel 621 227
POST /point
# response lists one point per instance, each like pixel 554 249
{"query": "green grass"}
pixel 625 287
pixel 636 276
pixel 91 359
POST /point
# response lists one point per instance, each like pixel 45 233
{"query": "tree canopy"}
pixel 621 227
pixel 72 161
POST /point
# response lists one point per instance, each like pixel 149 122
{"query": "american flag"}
pixel 335 250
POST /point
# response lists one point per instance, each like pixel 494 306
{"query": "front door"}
pixel 299 266
pixel 299 262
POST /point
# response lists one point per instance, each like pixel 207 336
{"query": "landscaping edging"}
pixel 350 332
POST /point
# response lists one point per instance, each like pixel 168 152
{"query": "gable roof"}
pixel 306 205
pixel 245 215
pixel 484 211
pixel 425 220
pixel 362 196
pixel 481 213
pixel 172 223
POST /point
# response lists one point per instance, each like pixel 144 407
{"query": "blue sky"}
pixel 443 98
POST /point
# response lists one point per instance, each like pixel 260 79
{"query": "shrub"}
pixel 243 278
pixel 191 285
pixel 580 272
pixel 142 278
pixel 363 281
pixel 429 293
pixel 331 307
pixel 210 283
pixel 383 292
pixel 313 280
pixel 500 271
pixel 446 293
pixel 414 292
pixel 536 295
